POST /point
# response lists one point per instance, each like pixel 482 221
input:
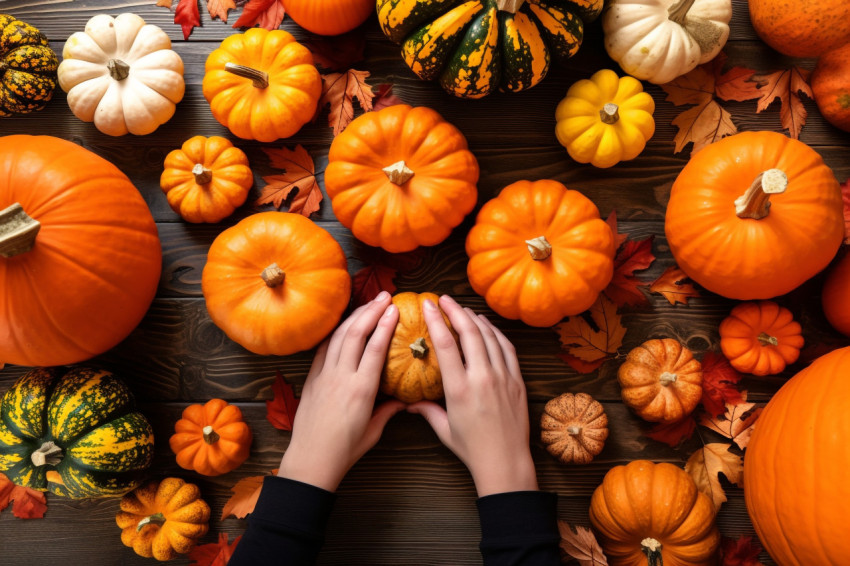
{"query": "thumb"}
pixel 379 420
pixel 436 417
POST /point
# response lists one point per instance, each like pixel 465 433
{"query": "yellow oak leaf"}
pixel 593 342
pixel 710 460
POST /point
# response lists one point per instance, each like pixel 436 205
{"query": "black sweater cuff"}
pixel 519 527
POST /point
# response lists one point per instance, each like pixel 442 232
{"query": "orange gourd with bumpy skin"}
pixel 539 252
pixel 329 17
pixel 831 86
pixel 760 338
pixel 801 28
pixel 754 215
pixel 211 439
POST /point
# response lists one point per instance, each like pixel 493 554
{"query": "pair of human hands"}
pixel 485 422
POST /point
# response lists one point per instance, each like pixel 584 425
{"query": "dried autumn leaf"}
pixel 164 3
pixel 186 14
pixel 673 285
pixel 267 14
pixel 299 175
pixel 736 424
pixel 633 256
pixel 619 239
pixel 581 545
pixel 339 91
pixel 214 553
pixel 280 411
pixel 710 460
pixel 675 433
pixel 591 344
pixel 702 125
pixel 28 503
pixel 338 52
pixel 246 492
pixel 219 8
pixel 845 196
pixel 734 84
pixel 742 552
pixel 385 97
pixel 580 365
pixel 786 86
pixel 719 384
pixel 371 280
pixel 695 87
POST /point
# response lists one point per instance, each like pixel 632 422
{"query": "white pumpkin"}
pixel 659 40
pixel 121 74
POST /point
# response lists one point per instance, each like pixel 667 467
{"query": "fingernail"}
pixel 429 305
pixel 448 298
pixel 382 296
pixel 390 311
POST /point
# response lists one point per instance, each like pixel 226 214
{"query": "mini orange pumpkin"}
pixel 831 86
pixel 206 179
pixel 329 17
pixel 276 283
pixel 760 338
pixel 211 439
pixel 401 178
pixel 574 428
pixel 539 252
pixel 661 381
pixel 754 215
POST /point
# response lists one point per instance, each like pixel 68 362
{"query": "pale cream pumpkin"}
pixel 659 40
pixel 121 74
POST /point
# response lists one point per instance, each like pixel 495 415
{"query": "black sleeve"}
pixel 520 528
pixel 287 525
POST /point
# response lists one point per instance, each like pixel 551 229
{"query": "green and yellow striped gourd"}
pixel 474 47
pixel 27 68
pixel 73 432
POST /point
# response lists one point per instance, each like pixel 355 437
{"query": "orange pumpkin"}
pixel 646 513
pixel 79 253
pixel 831 86
pixel 206 179
pixel 661 381
pixel 801 28
pixel 262 85
pixel 539 252
pixel 795 467
pixel 401 177
pixel 760 338
pixel 835 297
pixel 276 283
pixel 329 17
pixel 211 439
pixel 754 215
pixel 574 428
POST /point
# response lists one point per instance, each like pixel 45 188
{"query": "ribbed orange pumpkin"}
pixel 329 17
pixel 801 28
pixel 539 252
pixel 831 86
pixel 835 297
pixel 211 439
pixel 754 215
pixel 760 338
pixel 796 465
pixel 79 285
pixel 276 283
pixel 401 178
pixel 644 513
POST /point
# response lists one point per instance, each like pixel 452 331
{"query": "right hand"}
pixel 485 422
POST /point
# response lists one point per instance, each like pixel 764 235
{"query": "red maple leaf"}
pixel 215 553
pixel 401 262
pixel 339 52
pixel 280 411
pixel 579 364
pixel 845 196
pixel 385 97
pixel 673 434
pixel 370 281
pixel 187 15
pixel 267 14
pixel 619 239
pixel 28 503
pixel 742 552
pixel 634 256
pixel 719 384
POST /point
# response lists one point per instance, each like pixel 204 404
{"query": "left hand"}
pixel 335 424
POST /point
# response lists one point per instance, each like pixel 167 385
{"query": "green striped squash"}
pixel 74 433
pixel 474 47
pixel 27 68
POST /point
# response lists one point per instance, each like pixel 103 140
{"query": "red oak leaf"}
pixel 634 256
pixel 619 239
pixel 742 552
pixel 786 86
pixel 280 411
pixel 385 97
pixel 186 14
pixel 339 52
pixel 370 281
pixel 215 553
pixel 845 196
pixel 267 14
pixel 674 434
pixel 339 91
pixel 28 503
pixel 719 384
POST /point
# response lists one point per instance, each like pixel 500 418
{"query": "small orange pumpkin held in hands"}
pixel 760 338
pixel 211 439
pixel 754 215
pixel 648 514
pixel 401 178
pixel 661 381
pixel 163 519
pixel 329 17
pixel 835 297
pixel 831 86
pixel 574 428
pixel 411 372
pixel 276 283
pixel 206 179
pixel 539 252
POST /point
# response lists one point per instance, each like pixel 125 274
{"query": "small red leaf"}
pixel 28 503
pixel 742 552
pixel 719 384
pixel 187 15
pixel 215 553
pixel 280 411
pixel 339 52
pixel 370 281
pixel 634 256
pixel 580 365
pixel 619 239
pixel 674 434
pixel 385 97
pixel 267 14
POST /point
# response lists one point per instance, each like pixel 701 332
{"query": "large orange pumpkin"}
pixel 329 17
pixel 276 283
pixel 831 86
pixel 801 28
pixel 539 252
pixel 401 178
pixel 754 215
pixel 796 465
pixel 79 256
pixel 835 297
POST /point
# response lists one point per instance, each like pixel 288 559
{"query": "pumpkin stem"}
pixel 49 454
pixel 573 430
pixel 17 231
pixel 667 378
pixel 510 6
pixel 259 78
pixel 539 248
pixel 767 340
pixel 118 69
pixel 678 12
pixel 398 173
pixel 202 174
pixel 419 349
pixel 652 549
pixel 610 113
pixel 156 519
pixel 755 203
pixel 273 275
pixel 210 436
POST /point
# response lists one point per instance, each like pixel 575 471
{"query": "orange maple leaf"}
pixel 299 175
pixel 633 256
pixel 164 3
pixel 581 545
pixel 845 196
pixel 786 86
pixel 736 424
pixel 672 284
pixel 619 239
pixel 339 91
pixel 280 411
pixel 214 553
pixel 735 84
pixel 695 87
pixel 246 492
pixel 710 460
pixel 703 125
pixel 267 14
pixel 219 8
pixel 594 335
pixel 28 503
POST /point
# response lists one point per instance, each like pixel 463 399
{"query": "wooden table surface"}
pixel 409 501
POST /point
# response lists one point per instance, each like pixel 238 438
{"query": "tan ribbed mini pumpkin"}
pixel 574 428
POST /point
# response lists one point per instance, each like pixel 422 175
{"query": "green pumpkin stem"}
pixel 678 12
pixel 48 454
pixel 259 78
pixel 419 349
pixel 652 549
pixel 766 339
pixel 755 203
pixel 398 173
pixel 210 436
pixel 118 69
pixel 156 519
pixel 273 275
pixel 510 6
pixel 202 174
pixel 539 248
pixel 610 113
pixel 17 231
